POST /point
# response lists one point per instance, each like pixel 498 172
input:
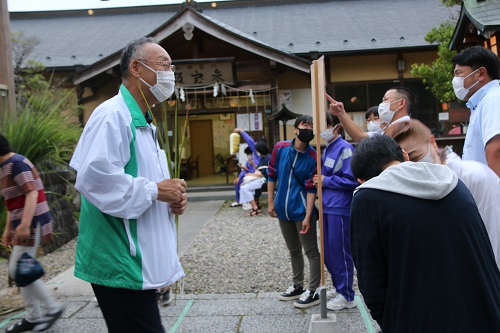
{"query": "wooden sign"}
pixel 318 84
pixel 204 72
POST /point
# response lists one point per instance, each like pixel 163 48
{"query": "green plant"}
pixel 43 132
pixel 43 127
pixel 437 77
pixel 220 160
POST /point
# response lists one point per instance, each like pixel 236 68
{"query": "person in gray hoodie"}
pixel 424 262
pixel 483 183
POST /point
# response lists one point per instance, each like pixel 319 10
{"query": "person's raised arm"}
pixel 337 109
pixel 248 139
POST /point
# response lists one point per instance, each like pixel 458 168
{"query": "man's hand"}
pixel 336 108
pixel 6 238
pixel 178 208
pixel 271 210
pixel 238 130
pixel 171 190
pixel 23 233
pixel 236 181
pixel 306 225
pixel 316 179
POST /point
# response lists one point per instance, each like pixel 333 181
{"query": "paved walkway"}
pixel 212 313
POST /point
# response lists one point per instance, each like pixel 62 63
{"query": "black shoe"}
pixel 293 292
pixel 165 297
pixel 307 299
pixel 48 322
pixel 22 326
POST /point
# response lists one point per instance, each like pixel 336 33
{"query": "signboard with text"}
pixel 203 72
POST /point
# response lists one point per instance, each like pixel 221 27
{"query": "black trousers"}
pixel 129 311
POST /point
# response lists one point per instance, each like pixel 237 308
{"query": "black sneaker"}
pixel 21 326
pixel 307 299
pixel 293 292
pixel 51 318
pixel 165 297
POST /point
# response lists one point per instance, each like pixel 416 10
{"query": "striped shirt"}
pixel 18 176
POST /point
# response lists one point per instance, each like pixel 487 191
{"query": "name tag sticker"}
pixel 329 162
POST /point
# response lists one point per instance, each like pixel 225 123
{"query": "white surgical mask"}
pixel 374 126
pixel 428 158
pixel 458 85
pixel 165 84
pixel 384 111
pixel 327 135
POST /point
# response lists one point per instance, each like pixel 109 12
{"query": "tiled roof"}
pixel 338 25
pixel 296 28
pixel 485 15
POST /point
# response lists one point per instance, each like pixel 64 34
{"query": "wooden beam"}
pixel 7 88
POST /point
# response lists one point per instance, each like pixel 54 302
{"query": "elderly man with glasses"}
pixel 126 244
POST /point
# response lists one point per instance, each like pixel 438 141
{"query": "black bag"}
pixel 28 270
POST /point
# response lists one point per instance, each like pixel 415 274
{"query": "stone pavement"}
pixel 212 313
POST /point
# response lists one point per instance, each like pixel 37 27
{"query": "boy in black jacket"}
pixel 423 257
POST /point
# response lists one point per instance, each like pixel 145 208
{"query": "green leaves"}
pixel 43 130
pixel 438 76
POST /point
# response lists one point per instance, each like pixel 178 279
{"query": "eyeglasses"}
pixel 165 64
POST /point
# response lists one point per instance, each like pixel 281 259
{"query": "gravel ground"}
pixel 234 253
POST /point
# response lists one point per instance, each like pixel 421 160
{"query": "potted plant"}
pixel 220 161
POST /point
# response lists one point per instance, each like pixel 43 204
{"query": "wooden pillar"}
pixel 7 90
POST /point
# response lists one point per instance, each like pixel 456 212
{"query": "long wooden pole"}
pixel 7 90
pixel 319 122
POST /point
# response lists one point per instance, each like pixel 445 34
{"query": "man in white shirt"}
pixel 477 74
pixel 396 106
pixel 127 245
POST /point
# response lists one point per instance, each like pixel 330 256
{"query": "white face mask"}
pixel 458 85
pixel 328 135
pixel 374 126
pixel 384 111
pixel 165 84
pixel 428 158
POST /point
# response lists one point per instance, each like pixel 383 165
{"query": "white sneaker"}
pixel 331 293
pixel 246 206
pixel 339 303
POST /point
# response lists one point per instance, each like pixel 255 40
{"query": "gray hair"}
pixel 133 50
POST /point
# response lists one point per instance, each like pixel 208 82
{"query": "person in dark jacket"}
pixel 293 166
pixel 421 250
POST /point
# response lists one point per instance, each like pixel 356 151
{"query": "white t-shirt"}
pixel 484 186
pixel 484 121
